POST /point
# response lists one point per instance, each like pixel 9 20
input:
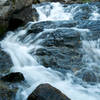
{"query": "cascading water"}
pixel 34 73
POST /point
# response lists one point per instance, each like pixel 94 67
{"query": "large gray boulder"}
pixel 47 92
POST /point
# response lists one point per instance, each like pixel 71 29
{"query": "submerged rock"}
pixel 47 92
pixel 87 75
pixel 13 77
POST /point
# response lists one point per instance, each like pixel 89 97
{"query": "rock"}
pixel 5 62
pixel 13 77
pixel 14 13
pixel 61 1
pixel 6 92
pixel 61 44
pixel 21 17
pixel 19 4
pixel 52 25
pixel 65 1
pixel 62 37
pixel 47 92
pixel 93 26
pixel 87 75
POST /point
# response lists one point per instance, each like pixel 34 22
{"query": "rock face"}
pixel 13 77
pixel 16 11
pixel 47 92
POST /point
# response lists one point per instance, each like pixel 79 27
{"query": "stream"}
pixel 69 24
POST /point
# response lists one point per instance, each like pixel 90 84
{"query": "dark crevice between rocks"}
pixel 14 23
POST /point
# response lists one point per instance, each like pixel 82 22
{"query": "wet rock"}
pixel 47 92
pixel 21 17
pixel 6 92
pixel 61 49
pixel 14 13
pixel 62 37
pixel 93 26
pixel 82 16
pixel 13 77
pixel 53 25
pixel 59 57
pixel 87 75
pixel 5 62
pixel 61 45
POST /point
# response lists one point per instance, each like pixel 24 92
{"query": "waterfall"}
pixel 34 73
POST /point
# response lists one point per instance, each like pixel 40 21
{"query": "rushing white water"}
pixel 53 11
pixel 35 73
pixel 95 14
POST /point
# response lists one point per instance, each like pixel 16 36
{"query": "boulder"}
pixel 21 17
pixel 14 13
pixel 87 75
pixel 47 92
pixel 13 77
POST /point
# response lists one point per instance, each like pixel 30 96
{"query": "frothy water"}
pixel 35 73
pixel 53 11
pixel 95 14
